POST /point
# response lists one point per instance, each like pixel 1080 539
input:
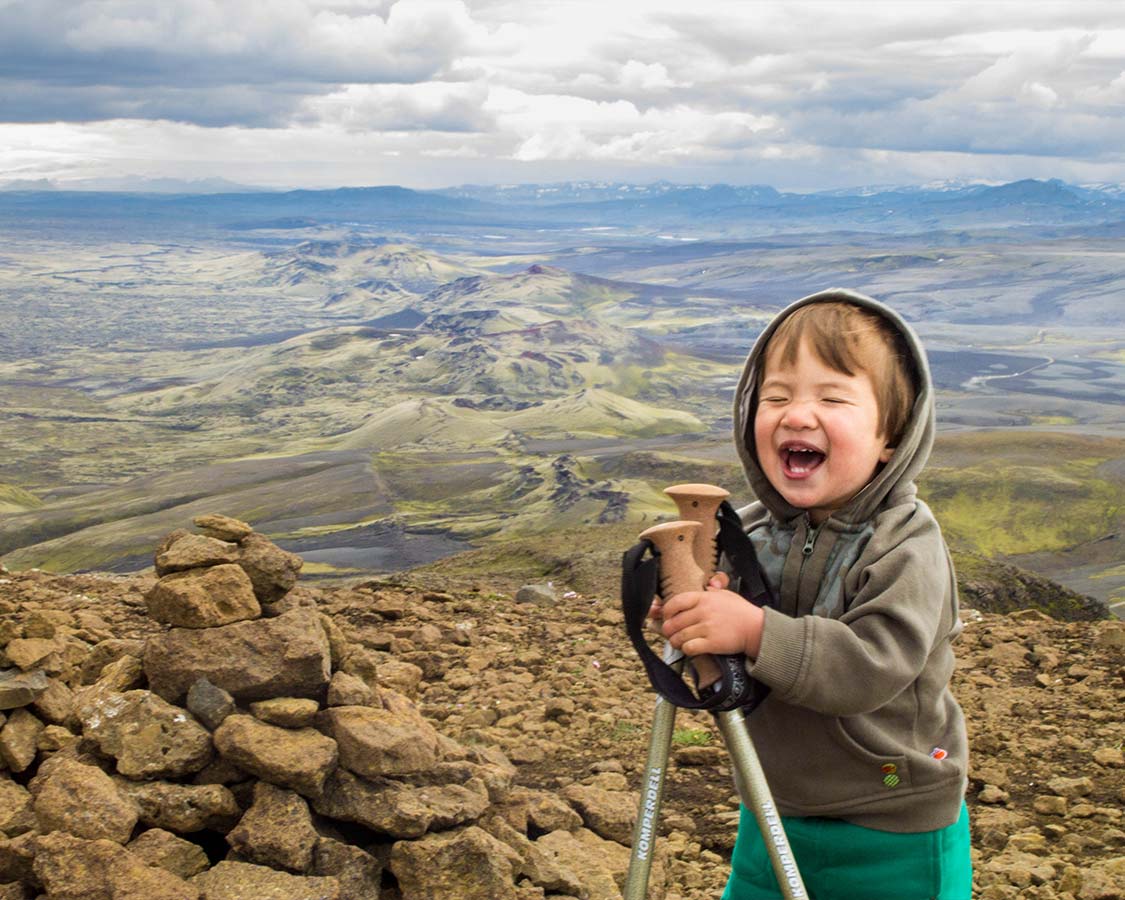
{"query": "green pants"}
pixel 841 861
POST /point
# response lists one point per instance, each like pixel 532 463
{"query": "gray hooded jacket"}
pixel 860 724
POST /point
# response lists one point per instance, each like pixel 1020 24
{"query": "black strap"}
pixel 739 551
pixel 639 582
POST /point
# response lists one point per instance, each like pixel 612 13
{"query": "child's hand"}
pixel 713 621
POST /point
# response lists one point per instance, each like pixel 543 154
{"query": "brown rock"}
pixel 246 881
pixel 54 738
pixel 149 737
pixel 397 809
pixel 17 891
pixel 468 864
pixel 17 859
pixel 609 814
pixel 1071 787
pixel 30 653
pixel 1110 757
pixel 157 847
pixel 349 690
pixel 300 759
pixel 359 873
pixel 85 802
pixel 376 742
pixel 599 863
pixel 283 657
pixel 276 831
pixel 19 688
pixel 56 703
pixel 404 677
pixel 222 528
pixel 194 551
pixel 1050 805
pixel 126 674
pixel 182 808
pixel 19 739
pixel 203 598
pixel 16 813
pixel 286 712
pixel 71 868
pixel 547 812
pixel 537 866
pixel 272 571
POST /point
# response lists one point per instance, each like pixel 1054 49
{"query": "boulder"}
pixel 535 865
pixel 609 814
pixel 538 595
pixel 56 703
pixel 231 880
pixel 286 712
pixel 399 810
pixel 149 737
pixel 17 859
pixel 359 873
pixel 182 808
pixel 222 528
pixel 271 570
pixel 110 651
pixel 193 551
pixel 468 864
pixel 71 868
pixel 29 653
pixel 601 864
pixel 276 831
pixel 286 656
pixel 377 742
pixel 16 813
pixel 296 758
pixel 349 690
pixel 203 598
pixel 157 847
pixel 85 802
pixel 19 688
pixel 19 739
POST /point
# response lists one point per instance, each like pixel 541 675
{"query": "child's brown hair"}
pixel 850 338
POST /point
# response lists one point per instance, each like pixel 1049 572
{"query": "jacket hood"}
pixel 910 455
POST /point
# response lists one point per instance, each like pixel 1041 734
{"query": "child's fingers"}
pixel 719 581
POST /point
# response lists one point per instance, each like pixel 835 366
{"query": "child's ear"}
pixel 886 453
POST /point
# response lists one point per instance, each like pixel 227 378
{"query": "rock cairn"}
pixel 247 748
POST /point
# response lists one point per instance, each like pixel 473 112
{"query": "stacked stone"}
pixel 249 750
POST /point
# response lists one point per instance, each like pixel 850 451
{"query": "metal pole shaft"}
pixel 652 790
pixel 700 502
pixel 732 726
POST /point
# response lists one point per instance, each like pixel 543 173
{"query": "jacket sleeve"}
pixel 902 606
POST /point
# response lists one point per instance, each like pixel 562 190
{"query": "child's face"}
pixel 817 432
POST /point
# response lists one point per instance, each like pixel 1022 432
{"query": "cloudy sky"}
pixel 431 93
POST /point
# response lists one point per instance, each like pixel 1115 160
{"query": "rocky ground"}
pixel 550 681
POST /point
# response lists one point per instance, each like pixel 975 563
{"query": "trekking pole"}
pixel 681 534
pixel 700 503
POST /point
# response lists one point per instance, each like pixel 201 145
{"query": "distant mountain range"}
pixel 708 210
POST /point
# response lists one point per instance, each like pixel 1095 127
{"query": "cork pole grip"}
pixel 700 503
pixel 679 572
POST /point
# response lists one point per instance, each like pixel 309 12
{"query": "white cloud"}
pixel 802 91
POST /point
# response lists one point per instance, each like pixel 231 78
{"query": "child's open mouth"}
pixel 799 460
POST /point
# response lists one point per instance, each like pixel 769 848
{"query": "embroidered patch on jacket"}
pixel 890 775
pixel 939 753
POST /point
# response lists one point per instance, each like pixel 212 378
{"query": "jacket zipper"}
pixel 811 531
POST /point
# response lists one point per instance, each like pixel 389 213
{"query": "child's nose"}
pixel 799 415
